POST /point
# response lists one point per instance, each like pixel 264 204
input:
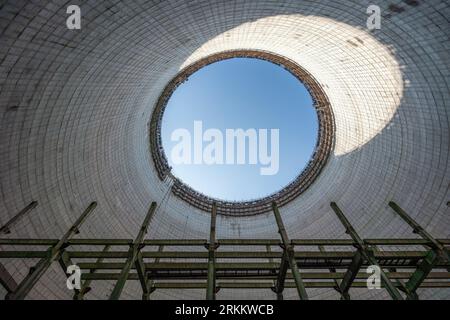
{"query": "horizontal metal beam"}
pixel 175 242
pixel 382 255
pixel 269 285
pixel 249 242
pixel 181 266
pixel 305 275
pixel 259 284
pixel 222 243
pixel 169 266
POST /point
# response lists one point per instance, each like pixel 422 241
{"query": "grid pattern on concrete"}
pixel 75 107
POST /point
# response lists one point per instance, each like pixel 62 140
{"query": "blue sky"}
pixel 243 93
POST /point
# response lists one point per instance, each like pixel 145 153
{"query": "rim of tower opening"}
pixel 321 154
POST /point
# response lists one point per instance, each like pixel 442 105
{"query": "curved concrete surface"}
pixel 75 107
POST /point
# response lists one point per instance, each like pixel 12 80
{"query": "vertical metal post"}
pixel 85 287
pixel 53 254
pixel 142 275
pixel 6 229
pixel 281 278
pixel 65 262
pixel 133 260
pixel 211 281
pixel 289 255
pixel 146 296
pixel 351 274
pixel 344 295
pixel 424 268
pixel 366 252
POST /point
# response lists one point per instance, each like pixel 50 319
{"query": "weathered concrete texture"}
pixel 75 107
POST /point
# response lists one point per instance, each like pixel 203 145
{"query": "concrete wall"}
pixel 75 107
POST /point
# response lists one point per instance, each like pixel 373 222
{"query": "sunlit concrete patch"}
pixel 359 74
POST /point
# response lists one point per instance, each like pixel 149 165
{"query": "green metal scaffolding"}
pixel 266 264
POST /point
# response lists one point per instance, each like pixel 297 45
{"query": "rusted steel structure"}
pixel 292 190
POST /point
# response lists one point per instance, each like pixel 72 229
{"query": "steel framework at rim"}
pixel 278 264
pixel 292 190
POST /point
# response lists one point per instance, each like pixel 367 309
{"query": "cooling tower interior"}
pixel 76 128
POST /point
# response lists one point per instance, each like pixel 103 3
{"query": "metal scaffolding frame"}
pixel 276 265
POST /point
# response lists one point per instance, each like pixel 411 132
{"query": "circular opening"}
pixel 239 129
pixel 198 112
